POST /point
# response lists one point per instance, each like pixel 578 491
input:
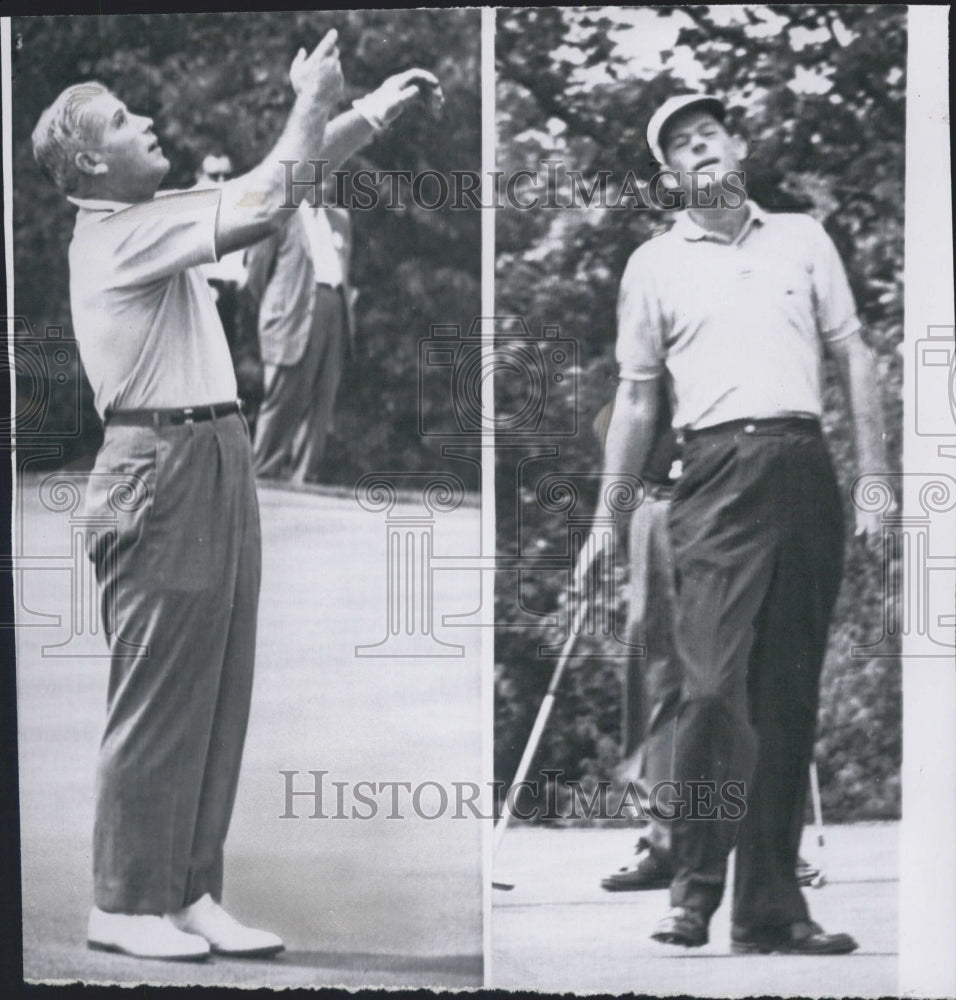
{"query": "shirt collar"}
pixel 690 230
pixel 98 204
pixel 105 205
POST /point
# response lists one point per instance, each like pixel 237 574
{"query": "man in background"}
pixel 299 293
pixel 298 286
pixel 227 278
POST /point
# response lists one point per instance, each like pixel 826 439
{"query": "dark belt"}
pixel 772 425
pixel 167 417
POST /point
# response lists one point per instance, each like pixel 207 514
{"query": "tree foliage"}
pixel 819 93
pixel 220 81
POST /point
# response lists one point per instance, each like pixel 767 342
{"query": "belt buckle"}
pixel 188 417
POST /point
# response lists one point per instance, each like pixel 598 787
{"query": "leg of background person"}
pixel 784 688
pixel 227 734
pixel 163 573
pixel 652 682
pixel 723 531
pixel 330 317
pixel 289 395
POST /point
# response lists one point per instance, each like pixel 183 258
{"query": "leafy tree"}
pixel 219 81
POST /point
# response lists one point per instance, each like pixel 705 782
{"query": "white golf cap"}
pixel 673 106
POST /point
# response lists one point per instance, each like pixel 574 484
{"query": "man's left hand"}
pixel 398 91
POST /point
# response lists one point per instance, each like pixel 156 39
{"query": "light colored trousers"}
pixel 179 573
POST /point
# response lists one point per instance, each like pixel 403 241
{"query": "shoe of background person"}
pixel 804 938
pixel 809 875
pixel 226 936
pixel 143 936
pixel 648 871
pixel 682 925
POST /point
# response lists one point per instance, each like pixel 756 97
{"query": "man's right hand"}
pixel 318 77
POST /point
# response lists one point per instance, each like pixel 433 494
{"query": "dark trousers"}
pixel 757 530
pixel 178 561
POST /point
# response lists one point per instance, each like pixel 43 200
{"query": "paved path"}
pixel 357 902
pixel 559 931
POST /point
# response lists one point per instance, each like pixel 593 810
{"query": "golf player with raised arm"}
pixel 732 310
pixel 180 570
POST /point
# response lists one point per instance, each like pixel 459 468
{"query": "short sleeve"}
pixel 158 238
pixel 833 301
pixel 640 335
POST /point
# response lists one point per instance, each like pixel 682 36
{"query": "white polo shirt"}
pixel 145 321
pixel 737 325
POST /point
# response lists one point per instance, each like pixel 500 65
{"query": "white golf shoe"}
pixel 226 936
pixel 143 936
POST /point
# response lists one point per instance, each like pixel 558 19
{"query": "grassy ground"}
pixel 374 902
pixel 558 930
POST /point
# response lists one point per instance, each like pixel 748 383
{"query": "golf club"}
pixel 591 550
pixel 817 817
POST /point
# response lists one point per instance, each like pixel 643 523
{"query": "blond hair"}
pixel 63 130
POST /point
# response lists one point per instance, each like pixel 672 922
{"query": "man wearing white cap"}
pixel 732 309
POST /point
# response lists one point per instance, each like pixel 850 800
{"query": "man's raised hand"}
pixel 386 103
pixel 319 76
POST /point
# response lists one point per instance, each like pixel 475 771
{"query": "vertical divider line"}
pixel 488 158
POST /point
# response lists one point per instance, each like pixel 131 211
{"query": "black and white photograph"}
pixel 698 725
pixel 244 717
pixel 479 500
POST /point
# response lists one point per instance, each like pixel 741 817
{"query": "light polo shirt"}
pixel 738 326
pixel 145 321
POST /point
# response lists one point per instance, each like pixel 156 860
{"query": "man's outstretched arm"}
pixel 350 131
pixel 251 205
pixel 630 435
pixel 256 203
pixel 857 372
